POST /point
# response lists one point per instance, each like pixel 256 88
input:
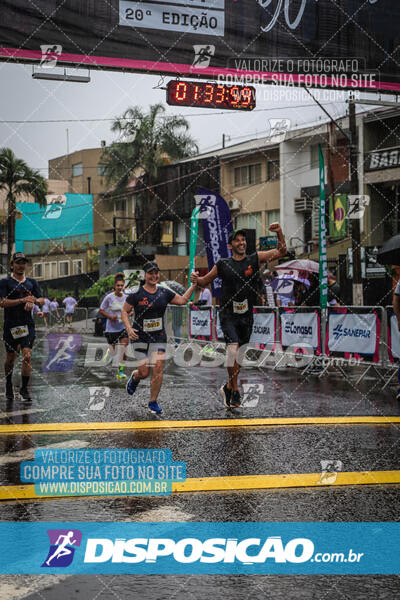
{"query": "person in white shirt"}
pixel 54 307
pixel 69 303
pixel 116 334
pixel 46 310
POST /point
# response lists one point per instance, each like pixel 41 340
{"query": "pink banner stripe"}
pixel 183 69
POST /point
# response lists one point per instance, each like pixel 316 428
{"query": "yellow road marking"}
pixel 241 482
pixel 201 423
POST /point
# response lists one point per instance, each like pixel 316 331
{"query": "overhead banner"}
pixel 299 328
pixel 263 328
pixel 352 333
pixel 200 323
pixel 217 225
pixel 328 44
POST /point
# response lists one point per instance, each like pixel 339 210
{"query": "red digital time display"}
pixel 211 95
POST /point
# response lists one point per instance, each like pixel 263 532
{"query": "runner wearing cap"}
pixel 116 334
pixel 18 296
pixel 240 280
pixel 149 302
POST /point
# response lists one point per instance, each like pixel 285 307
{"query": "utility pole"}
pixel 355 232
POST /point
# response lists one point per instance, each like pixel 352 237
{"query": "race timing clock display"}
pixel 211 95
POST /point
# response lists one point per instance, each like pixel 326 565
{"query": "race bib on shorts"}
pixel 150 325
pixel 240 307
pixel 19 332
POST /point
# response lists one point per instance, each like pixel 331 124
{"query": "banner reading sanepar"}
pixel 330 43
pixel 217 225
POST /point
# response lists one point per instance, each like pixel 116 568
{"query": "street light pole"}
pixel 355 235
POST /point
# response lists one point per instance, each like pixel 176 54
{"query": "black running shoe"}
pixel 226 395
pixel 236 401
pixel 9 391
pixel 25 394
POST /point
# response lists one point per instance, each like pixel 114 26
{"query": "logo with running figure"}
pixel 202 55
pixel 63 543
pixel 62 350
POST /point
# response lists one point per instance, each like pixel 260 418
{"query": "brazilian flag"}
pixel 338 216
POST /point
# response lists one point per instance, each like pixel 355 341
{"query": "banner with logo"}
pixel 194 230
pixel 323 266
pixel 338 216
pixel 270 41
pixel 67 548
pixel 352 333
pixel 299 328
pixel 200 323
pixel 263 328
pixel 217 225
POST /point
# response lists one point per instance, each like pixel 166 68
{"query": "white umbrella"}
pixel 300 265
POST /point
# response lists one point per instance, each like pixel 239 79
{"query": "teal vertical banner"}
pixel 194 231
pixel 323 267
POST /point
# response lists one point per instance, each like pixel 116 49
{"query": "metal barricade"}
pixel 177 323
pixel 356 336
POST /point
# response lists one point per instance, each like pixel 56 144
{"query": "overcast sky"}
pixel 109 94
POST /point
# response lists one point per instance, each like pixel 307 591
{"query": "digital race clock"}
pixel 211 95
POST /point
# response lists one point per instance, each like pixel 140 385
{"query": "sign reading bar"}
pixel 383 159
pixel 330 44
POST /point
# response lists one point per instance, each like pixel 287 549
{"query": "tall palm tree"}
pixel 146 142
pixel 18 179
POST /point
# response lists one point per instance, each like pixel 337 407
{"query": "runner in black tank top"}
pixel 240 278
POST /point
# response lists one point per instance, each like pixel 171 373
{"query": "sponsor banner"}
pixel 200 548
pixel 299 328
pixel 217 225
pixel 293 42
pixel 263 328
pixel 352 333
pixel 200 323
pixel 395 337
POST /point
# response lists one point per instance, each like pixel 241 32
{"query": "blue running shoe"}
pixel 154 408
pixel 132 384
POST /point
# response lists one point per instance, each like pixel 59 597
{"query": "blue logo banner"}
pixel 200 548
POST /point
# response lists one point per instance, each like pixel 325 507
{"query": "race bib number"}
pixel 19 332
pixel 240 307
pixel 150 325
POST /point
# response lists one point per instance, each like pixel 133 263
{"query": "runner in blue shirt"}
pixel 149 303
pixel 18 295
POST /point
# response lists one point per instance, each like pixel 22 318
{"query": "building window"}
pixel 273 172
pixel 50 270
pixel 250 221
pixel 248 175
pixel 314 156
pixel 101 169
pixel 37 270
pixel 63 268
pixel 77 169
pixel 120 205
pixel 272 216
pixel 77 266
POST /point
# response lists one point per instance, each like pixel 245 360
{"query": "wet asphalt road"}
pixel 192 393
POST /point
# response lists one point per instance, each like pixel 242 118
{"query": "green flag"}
pixel 194 229
pixel 323 268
